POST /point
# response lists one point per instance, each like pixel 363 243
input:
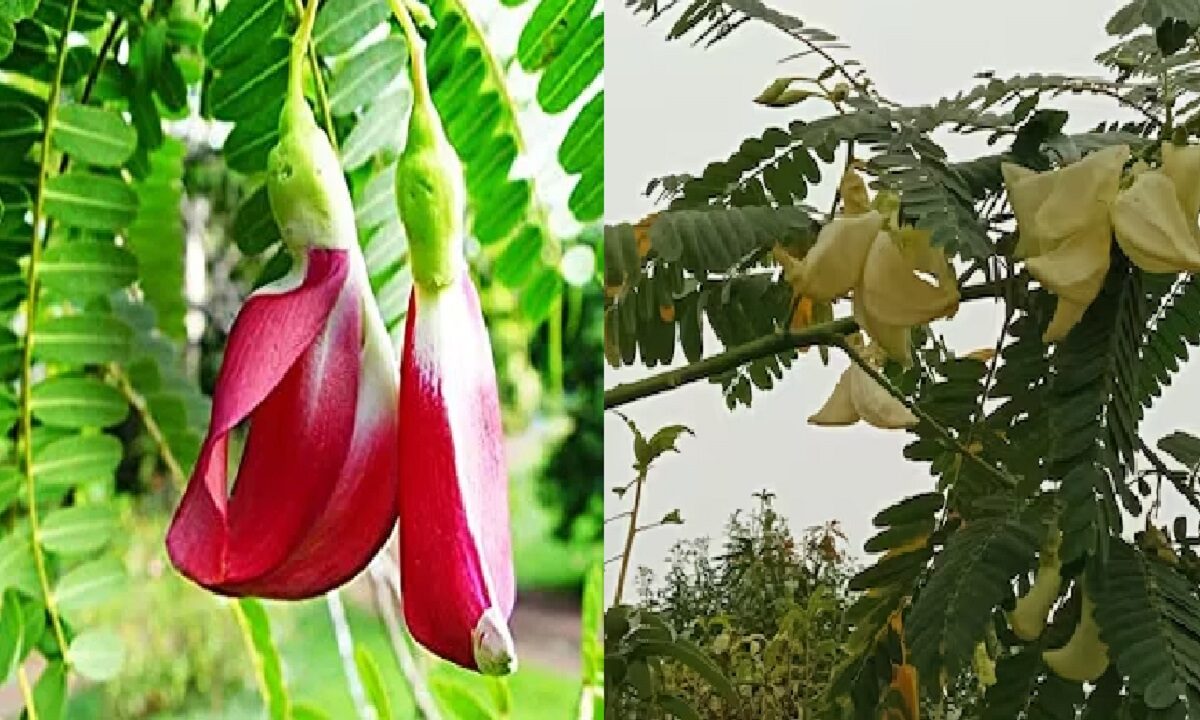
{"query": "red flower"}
pixel 455 552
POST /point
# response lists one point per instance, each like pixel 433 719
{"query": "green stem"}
pixel 142 408
pixel 824 334
pixel 300 43
pixel 260 671
pixel 31 303
pixel 26 694
pixel 314 64
pixel 629 536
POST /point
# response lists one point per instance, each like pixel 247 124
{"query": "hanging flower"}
pixel 455 547
pixel 888 272
pixel 309 367
pixel 858 397
pixel 1155 218
pixel 1063 217
pixel 1067 218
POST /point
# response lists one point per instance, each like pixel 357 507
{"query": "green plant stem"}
pixel 314 64
pixel 494 77
pixel 554 347
pixel 31 305
pixel 142 408
pixel 26 693
pixel 629 536
pixel 824 334
pixel 260 673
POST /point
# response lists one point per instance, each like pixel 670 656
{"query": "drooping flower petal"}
pixel 456 555
pixel 834 265
pixel 1152 227
pixel 1182 166
pixel 857 396
pixel 1074 270
pixel 894 340
pixel 1081 193
pixel 354 522
pixel 839 409
pixel 893 293
pixel 876 405
pixel 1065 228
pixel 292 368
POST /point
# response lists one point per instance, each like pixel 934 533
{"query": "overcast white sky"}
pixel 673 108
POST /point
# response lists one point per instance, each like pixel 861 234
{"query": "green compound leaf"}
pixel 86 200
pixel 78 403
pixel 94 136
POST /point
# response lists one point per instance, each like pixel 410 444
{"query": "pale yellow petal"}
pixel 834 264
pixel 1152 228
pixel 1182 166
pixel 895 340
pixel 839 409
pixel 1027 190
pixel 1066 314
pixel 1075 269
pixel 875 404
pixel 893 293
pixel 1082 193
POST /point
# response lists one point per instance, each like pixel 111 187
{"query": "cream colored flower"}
pixel 896 291
pixel 1155 218
pixel 858 397
pixel 1064 221
pixel 834 265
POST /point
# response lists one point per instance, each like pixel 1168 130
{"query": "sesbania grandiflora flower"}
pixel 1064 221
pixel 1155 218
pixel 309 366
pixel 1067 218
pixel 858 397
pixel 897 278
pixel 455 549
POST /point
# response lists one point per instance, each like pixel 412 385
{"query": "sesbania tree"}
pixel 1039 574
pixel 370 153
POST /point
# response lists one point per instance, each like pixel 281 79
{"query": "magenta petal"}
pixel 456 555
pixel 293 367
pixel 359 515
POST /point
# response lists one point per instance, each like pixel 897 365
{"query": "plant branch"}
pixel 31 311
pixel 825 334
pixel 26 693
pixel 630 535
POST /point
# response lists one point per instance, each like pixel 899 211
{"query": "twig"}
pixel 134 398
pixel 825 334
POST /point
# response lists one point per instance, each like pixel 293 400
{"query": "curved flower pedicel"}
pixel 309 367
pixel 456 557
